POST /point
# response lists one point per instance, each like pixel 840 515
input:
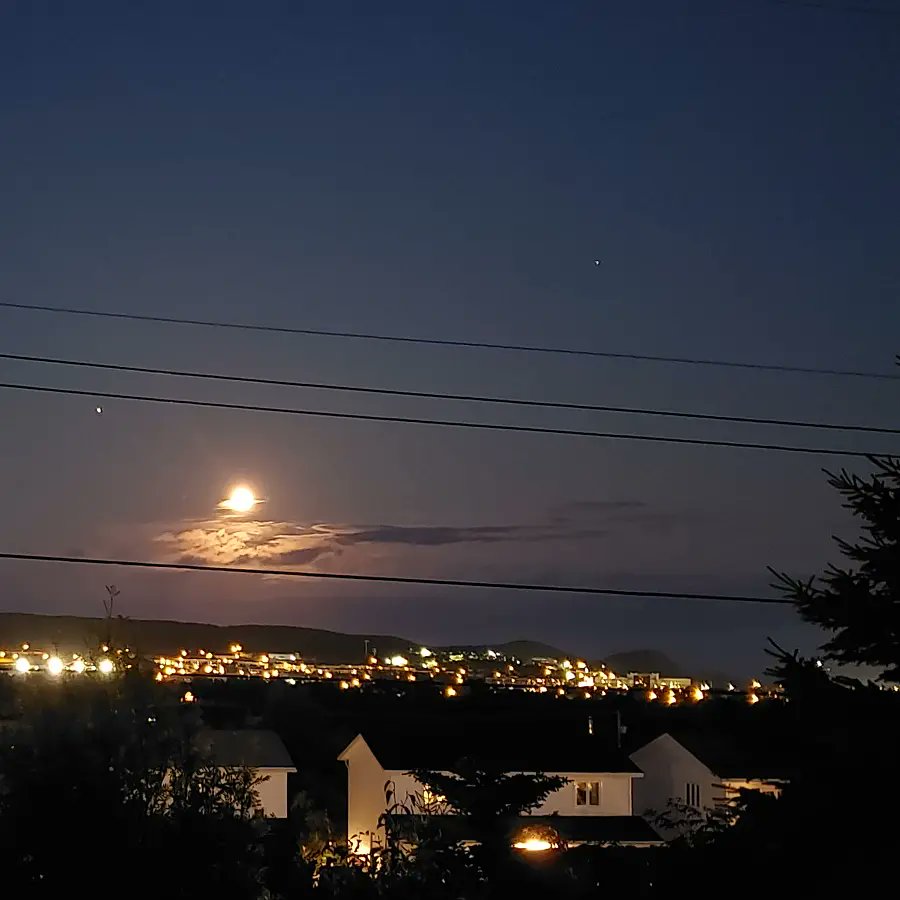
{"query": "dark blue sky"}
pixel 446 170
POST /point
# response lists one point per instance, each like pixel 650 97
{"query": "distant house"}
pixel 262 751
pixel 701 770
pixel 595 806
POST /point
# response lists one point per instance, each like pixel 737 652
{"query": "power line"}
pixel 391 579
pixel 432 395
pixel 446 342
pixel 443 423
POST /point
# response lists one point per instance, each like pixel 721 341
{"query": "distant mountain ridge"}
pixel 76 634
pixel 657 661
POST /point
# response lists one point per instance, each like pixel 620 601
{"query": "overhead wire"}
pixel 443 423
pixel 392 579
pixel 434 395
pixel 448 342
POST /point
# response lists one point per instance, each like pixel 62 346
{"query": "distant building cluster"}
pixel 453 672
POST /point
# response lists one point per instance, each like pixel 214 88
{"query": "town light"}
pixel 54 665
pixel 533 844
pixel 22 665
pixel 105 666
pixel 78 666
pixel 536 839
pixel 398 661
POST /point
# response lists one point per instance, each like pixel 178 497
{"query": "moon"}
pixel 240 500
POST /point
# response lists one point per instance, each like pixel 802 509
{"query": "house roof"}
pixel 500 746
pixel 255 748
pixel 728 756
pixel 589 829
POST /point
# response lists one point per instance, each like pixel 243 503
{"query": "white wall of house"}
pixel 365 795
pixel 366 781
pixel 669 769
pixel 613 793
pixel 273 792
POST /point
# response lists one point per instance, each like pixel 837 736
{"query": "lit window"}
pixel 692 794
pixel 587 793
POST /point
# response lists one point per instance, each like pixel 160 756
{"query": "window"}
pixel 587 793
pixel 692 794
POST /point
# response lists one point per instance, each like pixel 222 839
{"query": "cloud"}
pixel 246 543
pixel 442 535
pixel 231 542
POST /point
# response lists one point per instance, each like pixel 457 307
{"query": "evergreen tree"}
pixel 860 603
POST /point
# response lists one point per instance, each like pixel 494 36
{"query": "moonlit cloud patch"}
pixel 246 542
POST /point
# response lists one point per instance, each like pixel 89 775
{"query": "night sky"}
pixel 451 171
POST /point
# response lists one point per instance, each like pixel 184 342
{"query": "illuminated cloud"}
pixel 246 543
pixel 229 542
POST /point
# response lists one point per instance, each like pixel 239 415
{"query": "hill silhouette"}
pixel 645 661
pixel 76 634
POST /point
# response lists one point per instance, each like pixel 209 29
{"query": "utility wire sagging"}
pixel 442 342
pixel 392 579
pixel 463 398
pixel 446 423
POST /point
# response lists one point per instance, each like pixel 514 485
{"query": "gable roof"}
pixel 255 748
pixel 499 747
pixel 727 756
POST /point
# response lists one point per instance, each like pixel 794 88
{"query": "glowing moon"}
pixel 241 500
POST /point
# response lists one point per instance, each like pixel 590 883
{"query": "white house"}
pixel 706 776
pixel 594 806
pixel 262 751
